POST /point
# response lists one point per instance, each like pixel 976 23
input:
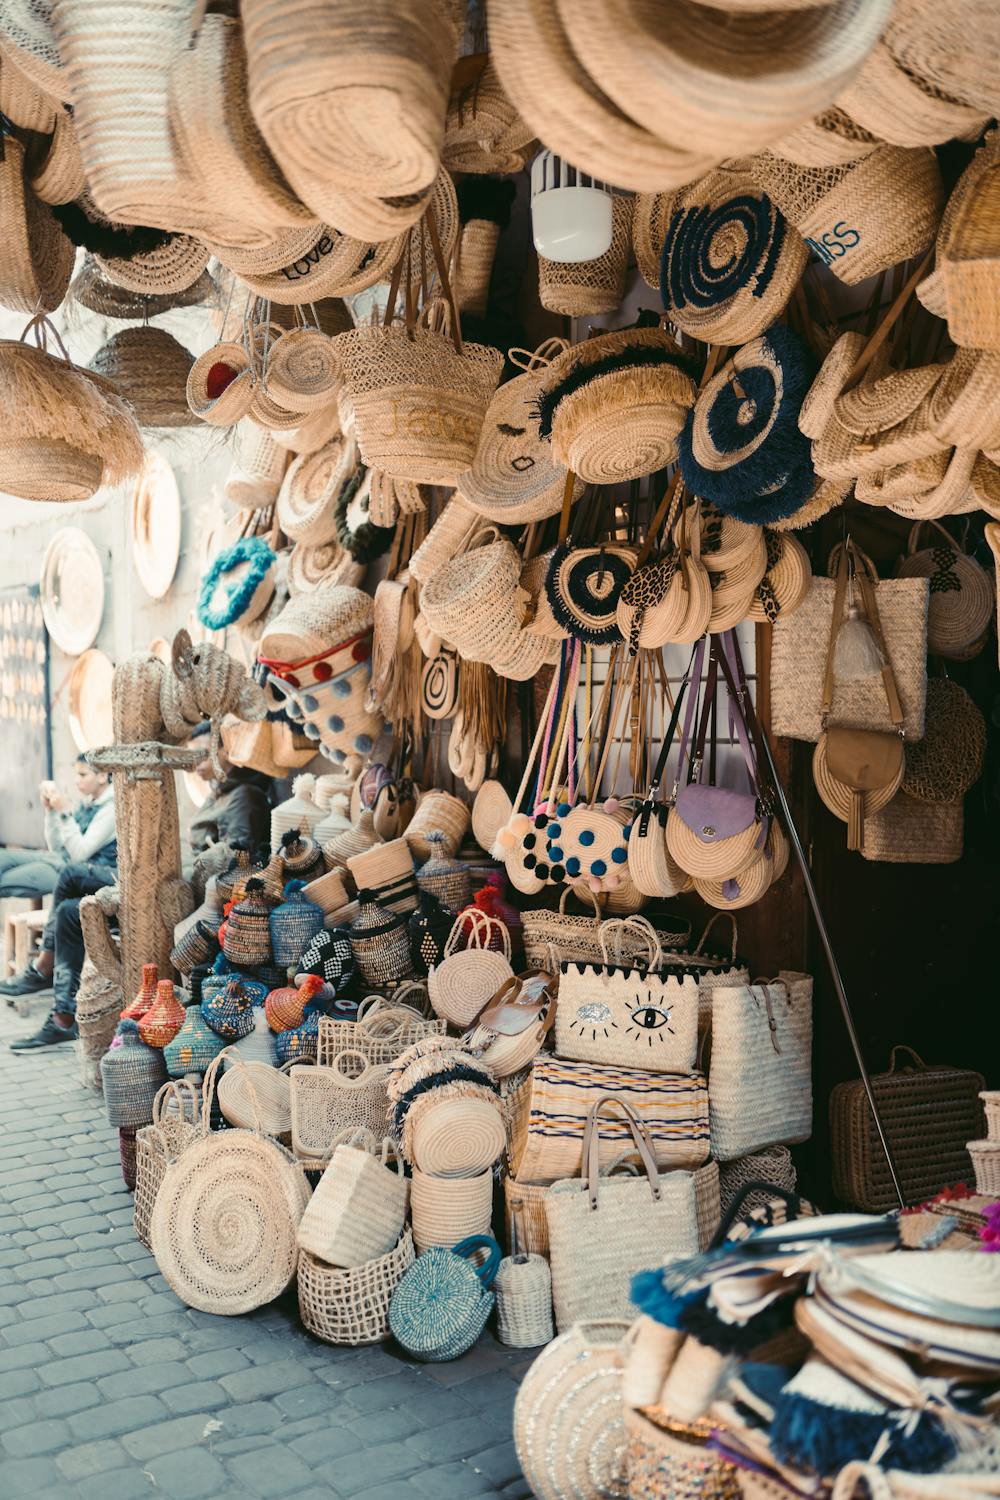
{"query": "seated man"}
pixel 59 963
pixel 76 836
pixel 239 809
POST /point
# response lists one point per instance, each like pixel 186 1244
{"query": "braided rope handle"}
pixel 643 927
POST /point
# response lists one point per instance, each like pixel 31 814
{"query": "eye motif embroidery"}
pixel 523 460
pixel 594 1017
pixel 651 1021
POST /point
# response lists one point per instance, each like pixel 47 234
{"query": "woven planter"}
pixel 150 369
pixel 358 1209
pixel 446 1210
pixel 351 1307
pixel 986 1165
pixel 419 403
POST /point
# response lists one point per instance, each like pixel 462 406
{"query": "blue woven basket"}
pixel 440 1307
pixel 294 924
pixel 228 1008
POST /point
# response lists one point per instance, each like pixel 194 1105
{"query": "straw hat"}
pixel 827 140
pixel 951 47
pixel 731 80
pixel 741 447
pixel 309 491
pixel 173 267
pixel 730 260
pixel 530 46
pixel 150 369
pixel 900 106
pixel 91 289
pixel 614 405
pixel 219 142
pixel 834 373
pixel 964 405
pixel 23 102
pixel 311 264
pixel 483 131
pixel 37 262
pixel 968 263
pixel 352 104
pixel 57 176
pixel 312 623
pixel 27 43
pixel 863 216
pixel 514 477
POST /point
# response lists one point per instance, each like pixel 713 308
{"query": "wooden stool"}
pixel 27 906
pixel 28 929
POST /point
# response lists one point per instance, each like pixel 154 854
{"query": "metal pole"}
pixel 834 967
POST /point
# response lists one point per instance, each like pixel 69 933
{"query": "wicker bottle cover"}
pixel 131 1075
pixel 164 1018
pixel 144 997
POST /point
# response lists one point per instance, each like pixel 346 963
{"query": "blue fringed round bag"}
pixel 440 1307
pixel 741 446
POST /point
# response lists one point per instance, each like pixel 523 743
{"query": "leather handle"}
pixel 592 1146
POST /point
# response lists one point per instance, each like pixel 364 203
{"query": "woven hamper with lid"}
pixel 928 1113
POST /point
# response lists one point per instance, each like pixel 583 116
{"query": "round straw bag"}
pixel 358 1209
pixel 568 1417
pixel 962 599
pixel 943 765
pixel 437 812
pixel 837 796
pixel 454 1131
pixel 614 405
pixel 446 1210
pixel 579 288
pixel 730 260
pixel 303 372
pixel 899 105
pixel 468 977
pixel 419 396
pixel 351 1306
pixel 256 1093
pixel 160 1143
pixel 514 477
pixel 221 384
pixel 223 1227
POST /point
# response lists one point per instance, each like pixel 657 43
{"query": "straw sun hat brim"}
pixel 37 261
pixel 565 107
pixel 733 81
pixel 171 268
pixel 27 43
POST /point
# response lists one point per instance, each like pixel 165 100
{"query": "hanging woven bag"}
pixel 442 1303
pixel 223 1228
pixel 157 1144
pixel 962 595
pixel 470 973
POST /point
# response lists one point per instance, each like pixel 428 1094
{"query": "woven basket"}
pixel 328 1100
pixel 150 369
pixel 386 870
pixel 875 212
pixel 224 1221
pixel 38 259
pixel 358 1209
pixel 131 1076
pixel 446 539
pixel 98 1007
pixel 773 1166
pixel 379 942
pixel 827 140
pixel 665 1461
pixel 909 832
pixel 962 596
pixel 310 489
pixel 483 132
pixel 351 1307
pixel 446 1210
pixel 928 1114
pixel 469 976
pixel 455 1130
pixel 472 601
pixel 991 1108
pixel 447 879
pixel 419 402
pixel 949 759
pixel 437 812
pixel 254 481
pixel 381 1034
pixel 624 421
pixel 524 1302
pixel 579 288
pixel 986 1164
pixel 160 1143
pixel 568 1417
pixel 256 1093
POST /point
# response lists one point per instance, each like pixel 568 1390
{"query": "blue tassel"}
pixel 810 1435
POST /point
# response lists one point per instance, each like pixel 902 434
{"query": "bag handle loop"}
pixel 467 1248
pixel 902 1047
pixel 347 1079
pixel 592 1147
pixel 641 925
pixel 725 915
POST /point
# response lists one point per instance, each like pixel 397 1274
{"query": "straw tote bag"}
pixel 760 1077
pixel 603 1230
pixel 630 1015
pixel 467 978
pixel 799 650
pixel 326 1101
pixel 358 1209
pixel 224 1225
pixel 548 1126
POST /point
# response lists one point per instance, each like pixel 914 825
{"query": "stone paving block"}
pixel 214 1363
pixel 265 1380
pixel 149 1440
pixel 23 1382
pixel 306 1401
pixel 25 1476
pixel 450 1482
pixel 499 1463
pixel 194 1475
pixel 391 1390
pixel 145 1378
pixel 156 1351
pixel 271 1471
pixel 92 1458
pixel 64 1400
pixel 44 1303
pixel 84 1367
pixel 84 1342
pixel 23 1356
pixel 113 1418
pixel 454 1439
pixel 130 1330
pixel 36 1438
pixel 195 1395
pixel 33 1329
pixel 326 1445
pixel 252 1419
pixel 119 1484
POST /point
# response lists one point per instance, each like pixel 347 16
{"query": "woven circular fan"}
pixel 730 260
pixel 786 581
pixel 224 1224
pixel 949 759
pixel 741 447
pixel 309 491
pixel 837 797
pixel 834 372
pixel 583 586
pixel 962 596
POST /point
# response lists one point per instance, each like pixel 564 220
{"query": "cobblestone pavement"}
pixel 110 1388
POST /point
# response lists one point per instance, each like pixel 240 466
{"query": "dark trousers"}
pixel 63 934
